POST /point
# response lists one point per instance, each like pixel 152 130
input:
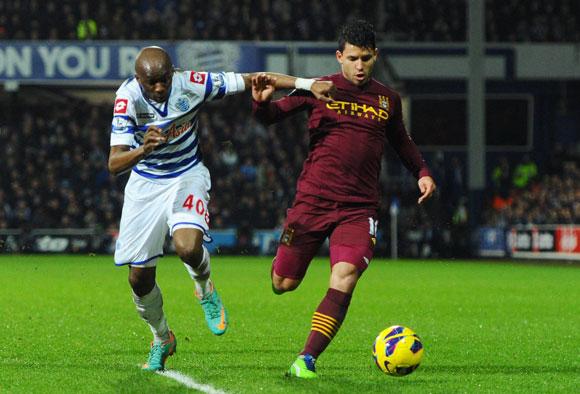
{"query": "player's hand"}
pixel 323 90
pixel 427 187
pixel 153 138
pixel 263 87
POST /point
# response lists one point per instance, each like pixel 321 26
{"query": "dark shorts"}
pixel 351 229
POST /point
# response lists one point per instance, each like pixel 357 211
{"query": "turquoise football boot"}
pixel 159 353
pixel 216 316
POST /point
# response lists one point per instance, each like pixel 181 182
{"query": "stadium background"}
pixel 60 63
pixel 487 325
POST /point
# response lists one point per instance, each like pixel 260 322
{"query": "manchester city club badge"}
pixel 384 102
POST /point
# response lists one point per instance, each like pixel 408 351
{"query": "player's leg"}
pixel 327 318
pixel 309 223
pixel 140 243
pixel 331 311
pixel 189 225
pixel 351 249
pixel 304 231
pixel 189 247
pixel 149 303
pixel 288 266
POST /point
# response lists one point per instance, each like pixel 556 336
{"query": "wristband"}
pixel 303 83
pixel 234 83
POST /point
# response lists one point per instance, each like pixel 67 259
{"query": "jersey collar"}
pixel 164 107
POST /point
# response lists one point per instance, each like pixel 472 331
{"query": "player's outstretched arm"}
pixel 121 158
pixel 268 111
pixel 322 90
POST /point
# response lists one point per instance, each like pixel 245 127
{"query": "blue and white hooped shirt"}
pixel 133 113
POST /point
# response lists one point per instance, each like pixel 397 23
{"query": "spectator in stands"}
pixel 501 178
pixel 552 199
pixel 524 172
pixel 228 156
pixel 86 26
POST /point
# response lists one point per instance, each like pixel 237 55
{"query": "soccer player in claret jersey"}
pixel 337 193
pixel 155 133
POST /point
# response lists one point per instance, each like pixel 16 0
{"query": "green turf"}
pixel 69 325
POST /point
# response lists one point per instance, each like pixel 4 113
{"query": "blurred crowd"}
pixel 55 176
pixel 522 194
pixel 55 171
pixel 403 20
pixel 55 166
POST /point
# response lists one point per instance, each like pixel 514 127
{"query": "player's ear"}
pixel 376 54
pixel 339 56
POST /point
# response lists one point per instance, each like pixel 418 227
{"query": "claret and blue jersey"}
pixel 347 139
pixel 177 117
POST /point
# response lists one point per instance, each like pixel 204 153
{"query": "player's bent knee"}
pixel 283 285
pixel 190 254
pixel 142 280
pixel 344 277
pixel 188 245
pixel 276 290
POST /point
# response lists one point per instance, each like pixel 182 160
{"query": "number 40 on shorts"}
pixel 198 204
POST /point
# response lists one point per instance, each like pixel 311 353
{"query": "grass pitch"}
pixel 69 325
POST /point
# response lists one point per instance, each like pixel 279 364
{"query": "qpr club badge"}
pixel 182 104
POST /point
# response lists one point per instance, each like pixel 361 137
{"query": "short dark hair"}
pixel 357 32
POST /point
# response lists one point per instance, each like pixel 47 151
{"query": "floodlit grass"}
pixel 69 325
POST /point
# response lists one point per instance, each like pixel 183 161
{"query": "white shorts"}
pixel 154 206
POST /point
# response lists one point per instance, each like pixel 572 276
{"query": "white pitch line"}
pixel 189 382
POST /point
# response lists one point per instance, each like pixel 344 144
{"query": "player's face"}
pixel 156 85
pixel 357 63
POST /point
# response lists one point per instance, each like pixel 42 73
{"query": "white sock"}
pixel 150 308
pixel 200 275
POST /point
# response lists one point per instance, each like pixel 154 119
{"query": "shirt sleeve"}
pixel 123 126
pixel 215 85
pixel 403 144
pixel 274 111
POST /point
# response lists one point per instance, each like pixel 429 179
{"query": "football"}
pixel 398 351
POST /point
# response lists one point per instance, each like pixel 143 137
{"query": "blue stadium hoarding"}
pixel 263 241
pixel 102 62
pixel 91 62
pixel 492 241
pixel 557 242
pixel 65 62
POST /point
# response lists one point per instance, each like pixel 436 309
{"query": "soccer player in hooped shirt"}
pixel 155 133
pixel 337 193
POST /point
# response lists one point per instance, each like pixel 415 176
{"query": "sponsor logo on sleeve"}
pixel 121 106
pixel 217 79
pixel 119 122
pixel 196 77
